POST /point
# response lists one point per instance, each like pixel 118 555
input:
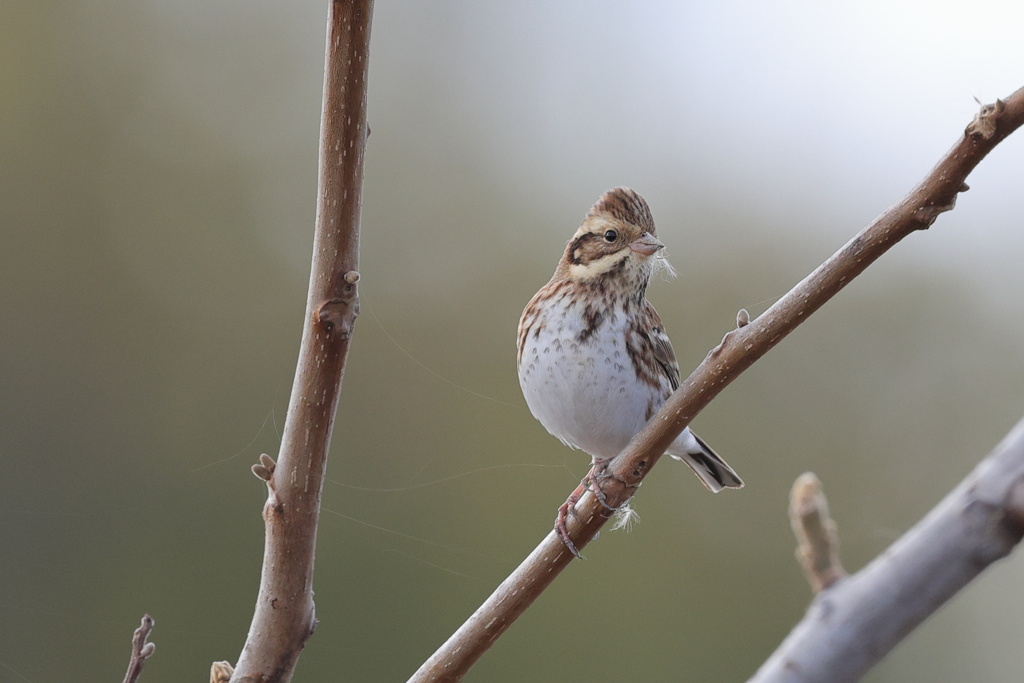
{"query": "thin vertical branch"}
pixel 284 617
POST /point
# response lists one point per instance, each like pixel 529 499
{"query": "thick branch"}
pixel 284 617
pixel 738 351
pixel 853 624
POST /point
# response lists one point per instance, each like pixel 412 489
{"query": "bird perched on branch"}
pixel 594 360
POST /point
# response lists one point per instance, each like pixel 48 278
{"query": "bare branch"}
pixel 853 624
pixel 142 649
pixel 738 351
pixel 284 617
pixel 817 539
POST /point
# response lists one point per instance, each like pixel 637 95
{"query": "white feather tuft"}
pixel 625 517
pixel 662 265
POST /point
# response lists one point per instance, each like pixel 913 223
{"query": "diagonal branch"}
pixel 858 620
pixel 284 617
pixel 738 351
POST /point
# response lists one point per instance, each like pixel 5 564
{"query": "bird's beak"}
pixel 646 244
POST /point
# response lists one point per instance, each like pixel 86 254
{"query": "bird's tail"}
pixel 712 471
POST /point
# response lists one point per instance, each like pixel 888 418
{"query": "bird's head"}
pixel 616 241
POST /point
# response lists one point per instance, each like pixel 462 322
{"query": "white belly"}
pixel 585 393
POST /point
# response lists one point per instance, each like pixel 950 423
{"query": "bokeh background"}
pixel 158 165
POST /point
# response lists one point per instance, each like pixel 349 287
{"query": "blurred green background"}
pixel 158 167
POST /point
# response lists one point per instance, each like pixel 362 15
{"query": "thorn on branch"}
pixel 983 127
pixel 817 539
pixel 141 649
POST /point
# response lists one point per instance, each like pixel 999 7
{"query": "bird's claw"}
pixel 589 483
pixel 564 511
pixel 592 480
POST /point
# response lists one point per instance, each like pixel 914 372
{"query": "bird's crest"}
pixel 626 205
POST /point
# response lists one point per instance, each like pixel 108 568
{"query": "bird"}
pixel 593 357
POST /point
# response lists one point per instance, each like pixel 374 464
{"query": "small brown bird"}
pixel 594 360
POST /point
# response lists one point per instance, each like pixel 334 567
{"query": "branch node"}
pixel 141 649
pixel 273 508
pixel 817 539
pixel 983 127
pixel 926 215
pixel 338 314
pixel 742 318
pixel 638 472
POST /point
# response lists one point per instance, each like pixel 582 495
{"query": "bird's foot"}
pixel 594 477
pixel 588 483
pixel 568 508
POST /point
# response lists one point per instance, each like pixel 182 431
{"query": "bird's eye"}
pixel 611 236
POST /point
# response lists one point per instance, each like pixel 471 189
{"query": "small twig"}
pixel 857 621
pixel 142 649
pixel 740 349
pixel 817 539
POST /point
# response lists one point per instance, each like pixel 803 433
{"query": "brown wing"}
pixel 661 346
pixel 713 472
